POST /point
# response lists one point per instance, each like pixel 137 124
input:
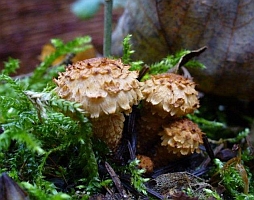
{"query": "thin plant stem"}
pixel 107 28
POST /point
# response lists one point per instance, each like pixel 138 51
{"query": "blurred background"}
pixel 28 25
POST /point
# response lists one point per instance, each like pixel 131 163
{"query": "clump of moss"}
pixel 44 138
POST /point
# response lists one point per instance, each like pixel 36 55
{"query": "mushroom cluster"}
pixel 106 89
pixel 167 99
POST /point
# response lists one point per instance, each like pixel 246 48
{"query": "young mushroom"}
pixel 106 89
pixel 179 138
pixel 146 163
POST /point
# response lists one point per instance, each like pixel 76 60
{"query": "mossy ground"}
pixel 46 143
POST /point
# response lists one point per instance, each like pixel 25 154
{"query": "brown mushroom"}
pixel 170 94
pixel 106 89
pixel 181 137
pixel 145 163
pixel 166 97
pixel 109 129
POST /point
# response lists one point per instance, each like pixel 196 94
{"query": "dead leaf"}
pixel 48 49
pixel 10 190
pixel 162 27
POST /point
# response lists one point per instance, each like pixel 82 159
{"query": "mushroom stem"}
pixel 149 125
pixel 109 129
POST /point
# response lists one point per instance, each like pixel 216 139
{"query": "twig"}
pixel 208 160
pixel 208 147
pixel 143 71
pixel 116 181
pixel 186 58
pixel 132 130
pixel 132 153
pixel 107 28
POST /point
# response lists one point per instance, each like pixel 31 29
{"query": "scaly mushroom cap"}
pixel 181 137
pixel 103 86
pixel 170 95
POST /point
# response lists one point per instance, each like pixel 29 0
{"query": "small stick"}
pixel 107 28
pixel 143 71
pixel 132 130
pixel 208 148
pixel 208 160
pixel 116 181
pixel 131 151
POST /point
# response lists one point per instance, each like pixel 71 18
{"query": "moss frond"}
pixel 127 51
pixel 10 66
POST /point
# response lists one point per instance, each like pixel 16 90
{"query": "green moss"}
pixel 44 136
